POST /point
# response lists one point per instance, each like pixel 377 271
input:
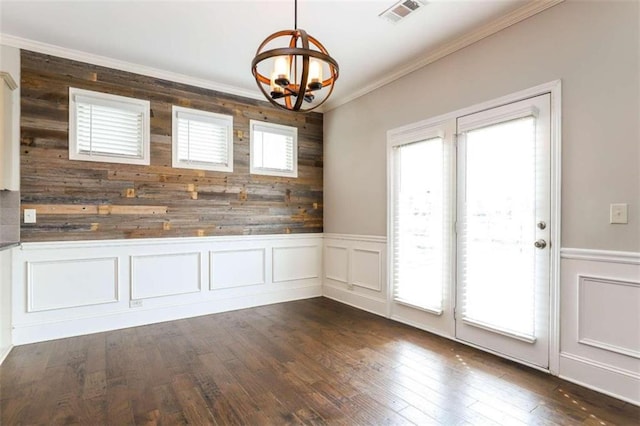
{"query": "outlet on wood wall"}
pixel 80 200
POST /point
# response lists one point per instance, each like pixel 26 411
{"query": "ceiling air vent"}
pixel 402 9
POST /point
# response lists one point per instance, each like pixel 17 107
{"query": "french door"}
pixel 470 227
pixel 503 229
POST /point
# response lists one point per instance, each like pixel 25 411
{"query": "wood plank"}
pixel 133 210
pixel 89 209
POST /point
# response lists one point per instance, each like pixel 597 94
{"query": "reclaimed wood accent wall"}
pixel 81 200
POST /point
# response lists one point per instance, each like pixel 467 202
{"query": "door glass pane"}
pixel 498 227
pixel 421 224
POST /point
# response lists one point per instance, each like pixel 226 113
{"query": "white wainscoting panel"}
pixel 295 263
pixel 600 321
pixel 158 275
pixel 63 289
pixel 336 263
pixel 237 268
pixel 366 268
pixel 6 342
pixel 617 331
pixel 71 283
pixel 355 271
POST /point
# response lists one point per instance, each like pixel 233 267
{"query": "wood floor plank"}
pixel 118 398
pixel 190 399
pixel 311 362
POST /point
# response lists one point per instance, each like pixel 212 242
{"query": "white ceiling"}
pixel 215 41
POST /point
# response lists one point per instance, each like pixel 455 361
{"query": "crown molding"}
pixel 518 15
pixel 8 80
pixel 78 55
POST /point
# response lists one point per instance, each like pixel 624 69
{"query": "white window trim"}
pixel 280 129
pixel 117 101
pixel 206 116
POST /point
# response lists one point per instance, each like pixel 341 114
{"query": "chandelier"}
pixel 295 76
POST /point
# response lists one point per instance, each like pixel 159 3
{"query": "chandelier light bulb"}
pixel 281 71
pixel 315 75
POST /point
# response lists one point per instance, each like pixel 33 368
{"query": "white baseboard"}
pixel 359 301
pixel 40 332
pixel 4 353
pixel 606 379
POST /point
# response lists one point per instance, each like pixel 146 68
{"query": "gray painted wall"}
pixel 593 47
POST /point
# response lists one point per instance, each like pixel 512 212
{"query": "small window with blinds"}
pixel 108 128
pixel 422 227
pixel 202 140
pixel 274 149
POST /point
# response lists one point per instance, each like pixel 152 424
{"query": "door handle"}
pixel 540 244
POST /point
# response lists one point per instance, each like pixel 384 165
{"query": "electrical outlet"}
pixel 618 213
pixel 29 215
pixel 135 303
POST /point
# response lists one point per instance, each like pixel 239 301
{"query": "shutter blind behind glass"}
pixel 497 268
pixel 102 128
pixel 272 149
pixel 202 139
pixel 422 224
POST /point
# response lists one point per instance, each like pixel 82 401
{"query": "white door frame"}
pixel 554 88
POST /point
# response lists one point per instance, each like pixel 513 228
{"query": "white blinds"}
pixel 497 227
pixel 422 223
pixel 108 128
pixel 273 148
pixel 203 139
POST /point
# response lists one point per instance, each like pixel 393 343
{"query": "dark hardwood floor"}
pixel 306 362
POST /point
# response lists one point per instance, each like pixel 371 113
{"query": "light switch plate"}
pixel 29 215
pixel 618 213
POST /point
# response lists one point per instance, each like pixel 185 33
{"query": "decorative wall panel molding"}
pixel 296 263
pixel 237 268
pixel 71 283
pixel 167 274
pixel 366 268
pixel 87 287
pixel 336 263
pixel 619 329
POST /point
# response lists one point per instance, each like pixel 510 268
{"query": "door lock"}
pixel 540 244
pixel 542 225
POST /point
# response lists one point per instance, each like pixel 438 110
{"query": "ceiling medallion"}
pixel 296 70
